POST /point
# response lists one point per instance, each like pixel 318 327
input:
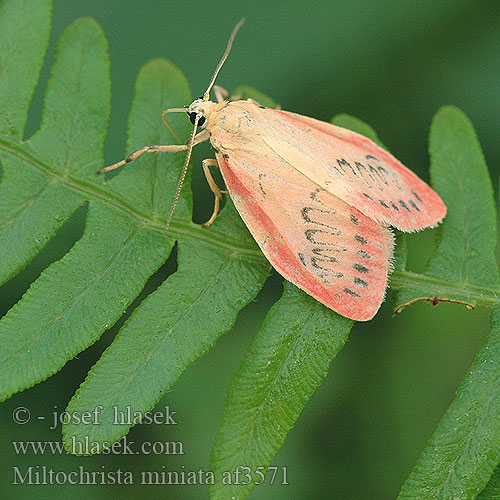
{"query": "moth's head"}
pixel 200 107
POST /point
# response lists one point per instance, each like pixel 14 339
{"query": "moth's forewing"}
pixel 328 249
pixel 351 167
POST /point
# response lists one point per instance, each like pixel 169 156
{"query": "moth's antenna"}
pixel 206 95
pixel 184 172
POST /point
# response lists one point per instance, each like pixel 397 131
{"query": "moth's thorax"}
pixel 230 120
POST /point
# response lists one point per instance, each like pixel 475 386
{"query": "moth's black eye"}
pixel 192 118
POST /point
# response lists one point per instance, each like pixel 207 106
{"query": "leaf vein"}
pixel 177 227
pixel 132 376
pixel 75 299
pixel 25 207
pixel 469 436
pixel 273 384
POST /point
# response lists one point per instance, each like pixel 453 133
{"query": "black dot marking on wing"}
pixel 360 239
pixel 314 195
pixel 363 254
pixel 416 196
pixel 307 212
pixel 370 157
pixel 329 274
pixel 367 196
pixel 326 252
pixel 331 248
pixel 343 163
pixel 333 274
pixel 414 205
pixel 362 171
pixel 360 268
pixel 382 173
pixel 262 176
pixel 393 205
pixel 262 107
pixel 350 292
pixel 311 233
pixel 354 219
pixel 225 156
pixel 302 258
pixel 375 175
pixel 382 202
pixel 360 282
pixel 404 205
pixel 315 262
pixel 322 260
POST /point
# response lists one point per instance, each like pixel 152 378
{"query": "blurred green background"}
pixel 390 63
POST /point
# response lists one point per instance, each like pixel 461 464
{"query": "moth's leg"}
pixel 213 186
pixel 173 148
pixel 253 101
pixel 202 136
pixel 220 93
pixel 158 148
pixel 278 106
